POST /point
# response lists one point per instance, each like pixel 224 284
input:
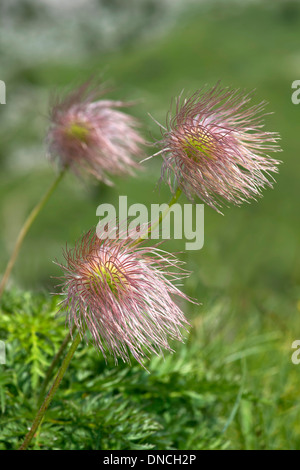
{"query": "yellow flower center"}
pixel 78 131
pixel 107 273
pixel 198 143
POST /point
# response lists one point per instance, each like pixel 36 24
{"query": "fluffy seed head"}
pixel 91 135
pixel 214 147
pixel 119 293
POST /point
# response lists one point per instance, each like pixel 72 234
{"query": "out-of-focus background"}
pixel 247 275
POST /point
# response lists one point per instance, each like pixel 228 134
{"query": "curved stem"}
pixel 26 226
pixel 161 217
pixel 53 364
pixel 40 414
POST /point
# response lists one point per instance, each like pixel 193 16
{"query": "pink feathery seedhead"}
pixel 214 147
pixel 90 135
pixel 120 293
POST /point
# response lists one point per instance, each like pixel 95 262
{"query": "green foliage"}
pixel 215 392
pixel 98 406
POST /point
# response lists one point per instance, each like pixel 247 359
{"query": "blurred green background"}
pixel 247 276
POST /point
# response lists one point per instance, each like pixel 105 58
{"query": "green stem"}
pixel 40 414
pixel 53 364
pixel 26 226
pixel 161 217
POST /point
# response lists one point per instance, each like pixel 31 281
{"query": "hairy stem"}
pixel 161 217
pixel 26 226
pixel 53 364
pixel 40 414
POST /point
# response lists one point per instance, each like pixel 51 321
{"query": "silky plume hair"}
pixel 119 293
pixel 214 147
pixel 92 136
